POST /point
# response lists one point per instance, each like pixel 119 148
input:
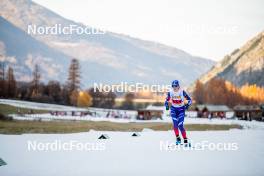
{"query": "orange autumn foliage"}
pixel 253 92
pixel 220 91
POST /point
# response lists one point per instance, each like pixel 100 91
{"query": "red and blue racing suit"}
pixel 177 110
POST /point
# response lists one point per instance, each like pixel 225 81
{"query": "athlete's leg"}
pixel 181 114
pixel 175 121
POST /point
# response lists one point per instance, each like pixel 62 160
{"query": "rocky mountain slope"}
pixel 243 65
pixel 109 58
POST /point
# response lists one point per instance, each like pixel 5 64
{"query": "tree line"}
pixel 7 82
pixel 36 90
pixel 216 91
pixel 53 91
pixel 220 91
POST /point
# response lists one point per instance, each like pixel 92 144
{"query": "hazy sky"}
pixel 206 28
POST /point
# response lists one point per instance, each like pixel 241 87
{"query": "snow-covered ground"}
pixel 102 113
pixel 240 151
pixel 55 107
pixel 39 106
pixel 143 155
pixel 96 112
pixel 188 120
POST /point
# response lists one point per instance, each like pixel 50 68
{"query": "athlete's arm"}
pixel 188 99
pixel 167 101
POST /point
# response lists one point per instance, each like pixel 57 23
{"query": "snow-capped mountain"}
pixel 243 65
pixel 108 58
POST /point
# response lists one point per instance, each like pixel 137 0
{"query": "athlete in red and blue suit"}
pixel 177 109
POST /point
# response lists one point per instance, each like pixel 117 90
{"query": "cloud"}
pixel 3 57
pixel 47 67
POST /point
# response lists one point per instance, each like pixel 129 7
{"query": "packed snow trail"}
pixel 126 155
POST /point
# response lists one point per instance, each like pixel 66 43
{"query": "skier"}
pixel 177 109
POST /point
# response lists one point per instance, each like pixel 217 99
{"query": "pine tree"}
pixel 2 70
pixel 74 76
pixel 11 83
pixel 73 83
pixel 2 80
pixel 36 81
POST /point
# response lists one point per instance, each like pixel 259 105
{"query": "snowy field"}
pixel 100 112
pixel 122 154
pixel 55 107
pixel 188 120
pixel 101 115
pixel 233 152
pixel 39 106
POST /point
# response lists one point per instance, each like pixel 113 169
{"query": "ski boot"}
pixel 186 143
pixel 178 140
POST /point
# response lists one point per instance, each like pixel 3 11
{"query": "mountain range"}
pixel 108 58
pixel 244 65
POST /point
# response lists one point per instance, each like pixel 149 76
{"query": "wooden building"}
pixel 151 112
pixel 248 112
pixel 212 111
pixel 262 108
